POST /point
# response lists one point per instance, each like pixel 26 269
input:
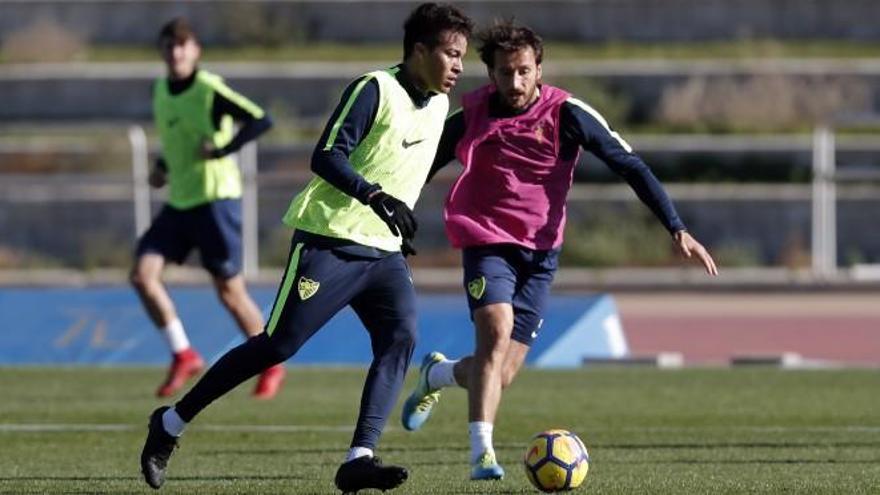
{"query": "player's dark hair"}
pixel 428 21
pixel 508 36
pixel 178 29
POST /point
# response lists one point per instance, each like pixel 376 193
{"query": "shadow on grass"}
pixel 185 480
pixel 70 478
pixel 328 451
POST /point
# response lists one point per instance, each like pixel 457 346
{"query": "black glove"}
pixel 396 215
pixel 407 248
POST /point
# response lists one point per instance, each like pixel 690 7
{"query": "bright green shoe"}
pixel 419 404
pixel 487 468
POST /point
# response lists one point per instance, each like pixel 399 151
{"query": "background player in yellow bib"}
pixel 195 113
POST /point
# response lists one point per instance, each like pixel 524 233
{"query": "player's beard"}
pixel 521 101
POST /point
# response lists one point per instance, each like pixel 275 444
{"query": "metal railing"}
pixel 824 207
pixel 823 196
pixel 78 174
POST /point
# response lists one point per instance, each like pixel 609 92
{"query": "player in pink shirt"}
pixel 518 140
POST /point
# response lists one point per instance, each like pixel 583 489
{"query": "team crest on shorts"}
pixel 477 287
pixel 307 288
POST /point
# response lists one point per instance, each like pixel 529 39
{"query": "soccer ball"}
pixel 556 461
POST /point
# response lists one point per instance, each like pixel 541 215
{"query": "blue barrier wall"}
pixel 107 326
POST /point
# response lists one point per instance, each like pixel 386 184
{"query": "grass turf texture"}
pixel 687 431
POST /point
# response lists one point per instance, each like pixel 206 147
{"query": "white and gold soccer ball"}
pixel 556 461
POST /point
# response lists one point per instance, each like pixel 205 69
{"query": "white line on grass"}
pixel 112 427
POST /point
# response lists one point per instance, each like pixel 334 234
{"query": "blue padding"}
pixel 107 326
pixel 596 334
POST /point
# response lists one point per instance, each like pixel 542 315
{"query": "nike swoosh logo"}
pixel 388 212
pixel 406 144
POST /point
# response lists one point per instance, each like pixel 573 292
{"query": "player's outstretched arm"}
pixel 690 248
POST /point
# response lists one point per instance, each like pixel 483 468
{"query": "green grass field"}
pixel 683 432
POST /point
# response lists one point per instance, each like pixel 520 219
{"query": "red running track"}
pixel 712 328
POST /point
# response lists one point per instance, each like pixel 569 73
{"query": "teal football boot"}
pixel 487 468
pixel 419 404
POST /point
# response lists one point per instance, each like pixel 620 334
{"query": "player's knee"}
pixel 497 338
pixel 228 288
pixel 494 331
pixel 229 298
pixel 405 334
pixel 147 271
pixel 134 279
pixel 272 350
pixel 278 354
pixel 138 278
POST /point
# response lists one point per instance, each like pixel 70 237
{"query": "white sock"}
pixel 481 439
pixel 442 374
pixel 172 423
pixel 176 336
pixel 355 452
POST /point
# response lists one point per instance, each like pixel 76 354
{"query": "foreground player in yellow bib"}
pixel 354 223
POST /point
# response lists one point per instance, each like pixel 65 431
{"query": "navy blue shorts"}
pixel 320 281
pixel 507 273
pixel 214 229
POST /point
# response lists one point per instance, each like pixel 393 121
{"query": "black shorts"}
pixel 214 229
